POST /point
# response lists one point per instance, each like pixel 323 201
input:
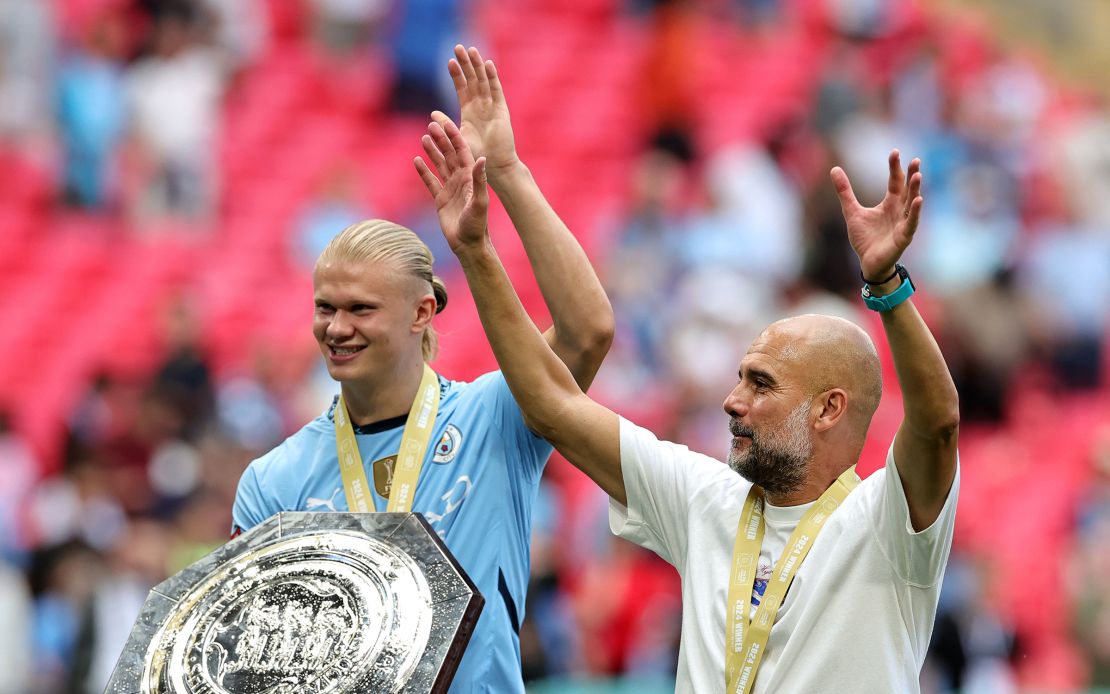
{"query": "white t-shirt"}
pixel 860 611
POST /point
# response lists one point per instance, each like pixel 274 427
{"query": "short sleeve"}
pixel 503 408
pixel 660 481
pixel 250 508
pixel 917 557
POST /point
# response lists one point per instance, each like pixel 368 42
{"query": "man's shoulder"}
pixel 305 443
pixel 481 385
pixel 476 397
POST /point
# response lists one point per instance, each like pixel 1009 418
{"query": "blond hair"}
pixel 378 240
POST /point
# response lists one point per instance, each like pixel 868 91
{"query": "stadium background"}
pixel 169 169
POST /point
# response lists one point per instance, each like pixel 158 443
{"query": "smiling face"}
pixel 770 418
pixel 369 319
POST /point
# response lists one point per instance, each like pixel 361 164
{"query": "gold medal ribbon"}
pixel 414 445
pixel 744 641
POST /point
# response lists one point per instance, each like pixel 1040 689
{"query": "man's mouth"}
pixel 343 352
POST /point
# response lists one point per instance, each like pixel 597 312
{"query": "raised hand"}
pixel 461 199
pixel 879 235
pixel 484 114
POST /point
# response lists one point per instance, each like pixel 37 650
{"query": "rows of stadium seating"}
pixel 79 293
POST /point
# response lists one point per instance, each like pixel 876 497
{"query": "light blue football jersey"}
pixel 476 489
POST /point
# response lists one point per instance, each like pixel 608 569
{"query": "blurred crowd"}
pixel 724 222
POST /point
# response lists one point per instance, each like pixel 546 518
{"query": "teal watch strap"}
pixel 889 301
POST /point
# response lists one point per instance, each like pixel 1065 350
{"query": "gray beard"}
pixel 777 461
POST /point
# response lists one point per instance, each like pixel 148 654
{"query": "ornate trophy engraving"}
pixel 327 603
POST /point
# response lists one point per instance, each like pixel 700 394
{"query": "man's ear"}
pixel 830 408
pixel 425 311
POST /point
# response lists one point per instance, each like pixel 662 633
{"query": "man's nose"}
pixel 339 325
pixel 735 403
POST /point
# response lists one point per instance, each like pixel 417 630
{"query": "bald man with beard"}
pixel 796 576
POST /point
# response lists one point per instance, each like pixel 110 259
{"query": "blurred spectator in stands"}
pixel 985 344
pixel 754 225
pixel 184 375
pixel 969 237
pixel 867 136
pixel 241 28
pixel 173 470
pixel 175 93
pixel 333 207
pixel 135 564
pixel 63 579
pixel 80 504
pixel 15 625
pixel 972 646
pixel 199 527
pixel 249 410
pixel 1089 569
pixel 91 111
pixel 918 92
pixel 644 264
pixel 627 607
pixel 1085 166
pixel 827 263
pixel 343 27
pixel 863 20
pixel 668 90
pixel 548 637
pixel 421 33
pixel 18 470
pixel 1064 276
pixel 26 55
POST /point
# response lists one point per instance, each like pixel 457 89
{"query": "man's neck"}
pixel 373 402
pixel 810 490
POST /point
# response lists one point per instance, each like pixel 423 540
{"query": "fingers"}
pixel 465 63
pixel 443 143
pixel 473 75
pixel 494 82
pixel 441 118
pixel 430 181
pixel 913 216
pixel 897 180
pixel 844 192
pixel 435 156
pixel 458 78
pixel 480 71
pixel 481 192
pixel 913 191
pixel 458 143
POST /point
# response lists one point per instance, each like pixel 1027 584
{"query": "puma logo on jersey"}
pixel 313 502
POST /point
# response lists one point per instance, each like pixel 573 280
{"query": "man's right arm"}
pixel 585 432
pixel 553 404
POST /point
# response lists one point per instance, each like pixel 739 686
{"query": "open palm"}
pixel 461 197
pixel 484 113
pixel 880 234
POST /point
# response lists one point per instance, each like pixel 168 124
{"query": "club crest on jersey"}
pixel 448 446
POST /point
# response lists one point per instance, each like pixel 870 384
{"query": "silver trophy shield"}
pixel 321 603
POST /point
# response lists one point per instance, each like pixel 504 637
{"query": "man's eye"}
pixel 325 310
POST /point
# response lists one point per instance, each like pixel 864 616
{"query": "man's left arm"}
pixel 582 317
pixel 925 445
